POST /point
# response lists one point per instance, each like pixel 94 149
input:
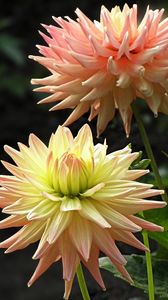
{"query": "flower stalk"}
pixel 159 183
pixel 151 290
pixel 82 283
pixel 149 151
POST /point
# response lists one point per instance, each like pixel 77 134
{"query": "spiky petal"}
pixel 107 64
pixel 74 199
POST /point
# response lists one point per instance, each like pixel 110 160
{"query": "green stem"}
pixel 151 290
pixel 160 186
pixel 82 283
pixel 149 151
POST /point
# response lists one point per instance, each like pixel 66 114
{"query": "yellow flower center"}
pixel 72 175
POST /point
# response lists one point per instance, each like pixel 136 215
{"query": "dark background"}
pixel 19 115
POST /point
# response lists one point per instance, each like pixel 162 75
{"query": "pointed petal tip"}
pixel 52 108
pixel 7 251
pixel 6 147
pixel 40 102
pixel 34 81
pixel 161 229
pixel 162 203
pixel 43 25
pixel 98 135
pixel 31 56
pixel 29 284
pixel 38 46
pixel 146 249
pixel 131 281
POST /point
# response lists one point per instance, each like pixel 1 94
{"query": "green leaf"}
pixel 143 164
pixel 140 163
pixel 137 160
pixel 136 266
pixel 10 46
pixel 16 84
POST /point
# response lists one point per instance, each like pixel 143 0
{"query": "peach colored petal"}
pixel 118 58
pixel 93 266
pixel 81 235
pixel 45 262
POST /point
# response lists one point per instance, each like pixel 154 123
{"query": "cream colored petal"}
pixel 110 193
pixel 29 234
pixel 38 147
pixel 30 160
pixel 52 197
pixel 13 169
pixel 43 245
pixel 115 218
pixel 126 150
pixel 102 169
pixel 59 223
pixel 90 212
pixel 15 155
pixel 44 209
pixel 123 164
pixel 133 206
pixel 21 206
pixel 92 190
pixel 135 174
pixel 13 221
pixel 145 192
pixel 61 141
pixel 70 204
pixel 83 143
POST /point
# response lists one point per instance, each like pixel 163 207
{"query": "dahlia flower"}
pixel 105 65
pixel 76 200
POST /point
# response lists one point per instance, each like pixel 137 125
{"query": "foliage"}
pixel 136 266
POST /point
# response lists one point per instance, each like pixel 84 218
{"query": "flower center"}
pixel 72 175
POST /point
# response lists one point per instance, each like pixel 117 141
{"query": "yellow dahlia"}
pixel 107 64
pixel 74 199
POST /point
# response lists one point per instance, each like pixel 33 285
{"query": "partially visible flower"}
pixel 105 65
pixel 76 200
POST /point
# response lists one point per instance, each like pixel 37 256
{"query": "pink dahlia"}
pixel 76 200
pixel 105 65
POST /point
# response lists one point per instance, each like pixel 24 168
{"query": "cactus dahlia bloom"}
pixel 74 199
pixel 107 64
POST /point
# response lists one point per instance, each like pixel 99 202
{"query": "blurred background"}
pixel 20 115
